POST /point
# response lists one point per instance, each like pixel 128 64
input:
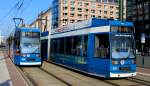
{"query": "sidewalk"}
pixel 9 75
pixel 5 79
pixel 143 71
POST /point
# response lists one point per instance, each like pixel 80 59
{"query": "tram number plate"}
pixel 124 68
pixel 30 59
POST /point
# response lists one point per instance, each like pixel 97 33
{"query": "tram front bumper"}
pixel 121 75
pixel 30 63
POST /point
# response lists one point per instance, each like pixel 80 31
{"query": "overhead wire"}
pixel 10 14
pixel 10 11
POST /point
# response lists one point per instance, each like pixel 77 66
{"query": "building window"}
pixel 105 1
pixel 86 10
pixel 92 11
pixel 110 1
pixel 99 16
pixel 147 17
pixel 80 15
pixel 105 16
pixel 65 8
pixel 92 16
pixel 65 14
pixel 72 20
pixel 111 18
pixel 98 0
pixel 99 11
pixel 111 12
pixel 65 1
pixel 72 15
pixel 105 12
pixel 72 2
pixel 65 21
pixel 72 9
pixel 79 3
pixel 85 16
pixel 93 6
pixel 86 4
pixel 111 7
pixel 99 6
pixel 79 9
pixel 116 1
pixel 105 7
pixel 147 26
pixel 79 20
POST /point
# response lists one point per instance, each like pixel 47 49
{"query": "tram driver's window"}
pixel 101 46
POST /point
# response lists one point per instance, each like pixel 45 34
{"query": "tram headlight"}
pixel 114 62
pixel 37 55
pixel 28 55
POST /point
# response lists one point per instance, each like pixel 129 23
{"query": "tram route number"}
pixel 124 68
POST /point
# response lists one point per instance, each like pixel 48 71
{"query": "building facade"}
pixel 43 21
pixel 68 11
pixel 138 12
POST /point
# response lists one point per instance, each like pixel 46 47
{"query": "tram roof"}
pixel 93 22
pixel 27 29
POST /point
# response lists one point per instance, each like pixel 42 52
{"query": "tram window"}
pixel 101 46
pixel 17 44
pixel 121 29
pixel 79 47
pixel 68 45
pixel 76 45
pixel 55 45
pixel 61 45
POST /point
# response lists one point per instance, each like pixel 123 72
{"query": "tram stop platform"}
pixel 9 75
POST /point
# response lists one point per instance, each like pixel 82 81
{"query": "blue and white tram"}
pixel 98 47
pixel 26 47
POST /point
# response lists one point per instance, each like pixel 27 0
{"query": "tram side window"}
pixel 55 46
pixel 61 46
pixel 79 47
pixel 76 45
pixel 101 46
pixel 17 43
pixel 68 45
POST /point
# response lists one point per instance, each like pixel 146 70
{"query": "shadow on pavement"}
pixel 6 83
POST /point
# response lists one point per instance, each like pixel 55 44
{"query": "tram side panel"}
pixel 99 62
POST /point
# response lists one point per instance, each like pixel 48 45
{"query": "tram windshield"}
pixel 30 45
pixel 122 46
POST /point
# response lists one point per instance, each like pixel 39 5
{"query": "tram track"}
pixel 39 77
pixel 56 77
pixel 71 79
pixel 120 81
pixel 144 82
pixel 28 80
pixel 131 81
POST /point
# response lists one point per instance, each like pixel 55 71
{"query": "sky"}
pixel 29 11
